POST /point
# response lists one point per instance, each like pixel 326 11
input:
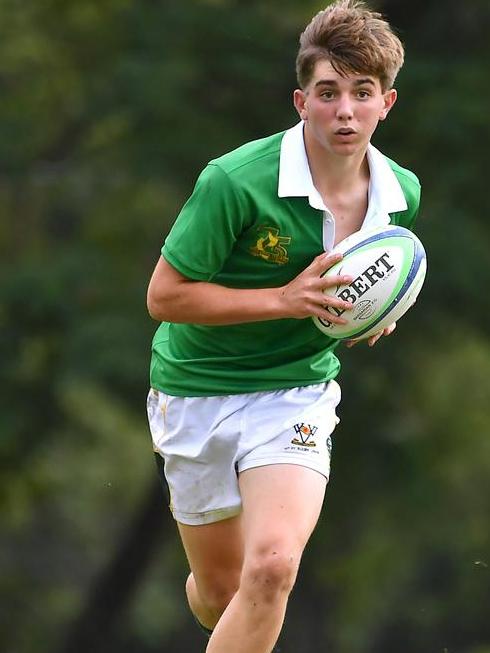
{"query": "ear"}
pixel 389 99
pixel 299 99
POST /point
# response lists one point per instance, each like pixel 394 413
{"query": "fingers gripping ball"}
pixel 388 266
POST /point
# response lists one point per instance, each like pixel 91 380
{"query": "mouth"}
pixel 345 131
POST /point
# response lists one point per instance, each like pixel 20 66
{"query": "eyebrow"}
pixel 357 82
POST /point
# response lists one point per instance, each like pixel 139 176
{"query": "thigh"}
pixel 214 552
pixel 281 506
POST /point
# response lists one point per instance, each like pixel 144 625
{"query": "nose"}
pixel 344 108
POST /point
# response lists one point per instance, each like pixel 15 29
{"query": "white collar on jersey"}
pixel 385 193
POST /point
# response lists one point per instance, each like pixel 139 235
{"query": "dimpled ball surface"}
pixel 388 266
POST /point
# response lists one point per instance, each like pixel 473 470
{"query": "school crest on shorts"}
pixel 329 445
pixel 270 246
pixel 304 433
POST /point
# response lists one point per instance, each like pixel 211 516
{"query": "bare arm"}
pixel 173 297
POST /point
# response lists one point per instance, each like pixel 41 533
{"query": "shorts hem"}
pixel 207 517
pixel 281 460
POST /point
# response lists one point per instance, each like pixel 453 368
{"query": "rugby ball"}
pixel 388 266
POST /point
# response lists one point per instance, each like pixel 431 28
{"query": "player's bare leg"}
pixel 277 522
pixel 215 554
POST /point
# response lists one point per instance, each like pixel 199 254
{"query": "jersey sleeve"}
pixel 411 189
pixel 413 202
pixel 207 227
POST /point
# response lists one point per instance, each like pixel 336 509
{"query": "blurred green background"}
pixel 108 111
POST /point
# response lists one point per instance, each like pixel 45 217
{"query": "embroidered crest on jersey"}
pixel 270 246
pixel 305 431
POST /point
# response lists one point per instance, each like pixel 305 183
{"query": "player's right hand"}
pixel 303 296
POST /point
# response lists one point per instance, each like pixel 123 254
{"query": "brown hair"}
pixel 354 39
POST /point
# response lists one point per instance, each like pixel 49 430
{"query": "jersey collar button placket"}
pixel 328 230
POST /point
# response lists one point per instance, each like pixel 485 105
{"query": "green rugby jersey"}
pixel 255 220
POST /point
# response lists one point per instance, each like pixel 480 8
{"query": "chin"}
pixel 346 149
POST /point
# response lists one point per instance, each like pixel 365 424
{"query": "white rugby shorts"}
pixel 206 442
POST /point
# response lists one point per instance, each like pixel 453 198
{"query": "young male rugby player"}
pixel 243 398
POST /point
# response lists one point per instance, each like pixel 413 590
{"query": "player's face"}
pixel 341 113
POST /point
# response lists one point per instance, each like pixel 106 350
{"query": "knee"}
pixel 218 596
pixel 216 592
pixel 270 574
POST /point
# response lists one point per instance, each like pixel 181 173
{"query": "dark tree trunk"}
pixel 112 591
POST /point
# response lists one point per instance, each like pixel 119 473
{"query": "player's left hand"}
pixel 372 340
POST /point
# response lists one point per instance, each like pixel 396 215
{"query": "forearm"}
pixel 175 298
pixel 201 302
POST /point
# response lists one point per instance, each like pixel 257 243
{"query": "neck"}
pixel 333 174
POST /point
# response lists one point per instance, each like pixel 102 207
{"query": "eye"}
pixel 327 95
pixel 363 94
